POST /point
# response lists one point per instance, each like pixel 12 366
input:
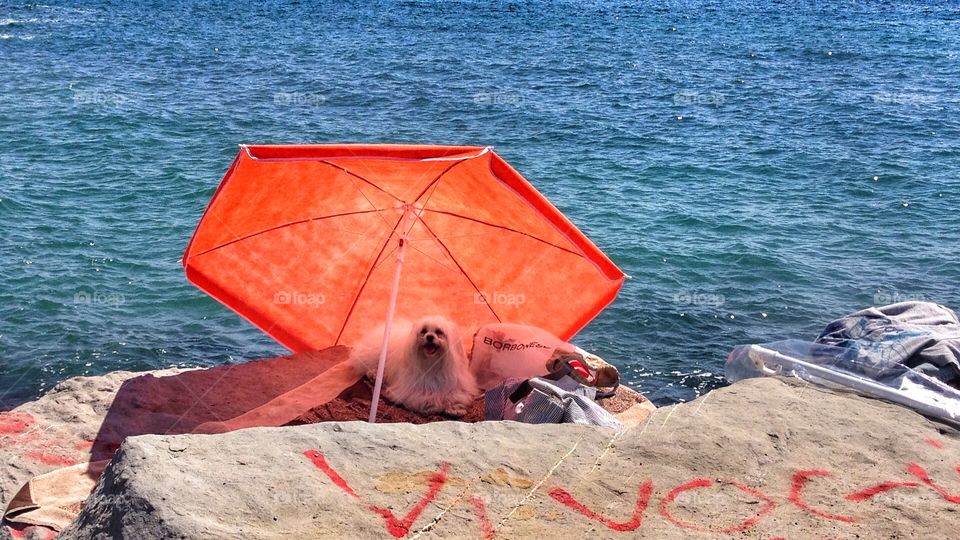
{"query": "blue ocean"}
pixel 758 168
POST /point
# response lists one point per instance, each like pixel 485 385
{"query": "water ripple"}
pixel 758 171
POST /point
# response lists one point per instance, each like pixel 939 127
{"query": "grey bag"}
pixel 544 401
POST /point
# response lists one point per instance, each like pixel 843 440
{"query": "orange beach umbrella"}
pixel 317 244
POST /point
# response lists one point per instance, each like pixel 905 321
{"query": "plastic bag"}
pixel 844 368
pixel 512 351
pixel 516 351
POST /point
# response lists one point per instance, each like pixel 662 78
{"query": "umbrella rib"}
pixel 432 184
pixel 366 280
pixel 360 191
pixel 420 251
pixel 271 229
pixel 355 175
pixel 462 271
pixel 435 180
pixel 487 223
pixel 386 256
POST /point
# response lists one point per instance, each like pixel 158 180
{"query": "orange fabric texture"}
pixel 302 240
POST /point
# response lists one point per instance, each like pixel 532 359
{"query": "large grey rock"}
pixel 789 455
pixel 86 418
pixel 54 431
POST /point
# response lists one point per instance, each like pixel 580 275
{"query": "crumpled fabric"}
pixel 561 401
pixel 923 336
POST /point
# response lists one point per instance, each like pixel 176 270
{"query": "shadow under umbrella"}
pixel 179 403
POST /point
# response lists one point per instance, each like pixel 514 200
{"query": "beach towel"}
pixel 54 499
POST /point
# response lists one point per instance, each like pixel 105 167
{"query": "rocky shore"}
pixel 764 458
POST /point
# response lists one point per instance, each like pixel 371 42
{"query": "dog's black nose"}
pixel 430 338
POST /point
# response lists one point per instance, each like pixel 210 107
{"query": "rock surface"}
pixel 56 430
pixel 759 459
pixel 86 418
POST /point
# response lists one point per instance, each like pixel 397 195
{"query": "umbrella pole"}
pixel 392 305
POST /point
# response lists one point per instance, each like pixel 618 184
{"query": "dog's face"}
pixel 434 338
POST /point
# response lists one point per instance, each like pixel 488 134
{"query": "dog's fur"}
pixel 426 368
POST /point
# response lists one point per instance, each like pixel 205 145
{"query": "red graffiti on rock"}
pixel 702 483
pixel 36 443
pixel 799 482
pixel 398 528
pixel 321 463
pixel 879 489
pixel 934 443
pixel 921 473
pixel 643 499
pixel 52 459
pixel 486 528
pixel 15 423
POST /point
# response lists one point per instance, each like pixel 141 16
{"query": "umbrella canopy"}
pixel 303 241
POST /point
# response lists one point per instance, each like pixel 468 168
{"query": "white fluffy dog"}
pixel 426 369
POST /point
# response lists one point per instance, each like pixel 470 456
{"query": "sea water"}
pixel 758 168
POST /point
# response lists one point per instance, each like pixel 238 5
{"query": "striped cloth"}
pixel 543 401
